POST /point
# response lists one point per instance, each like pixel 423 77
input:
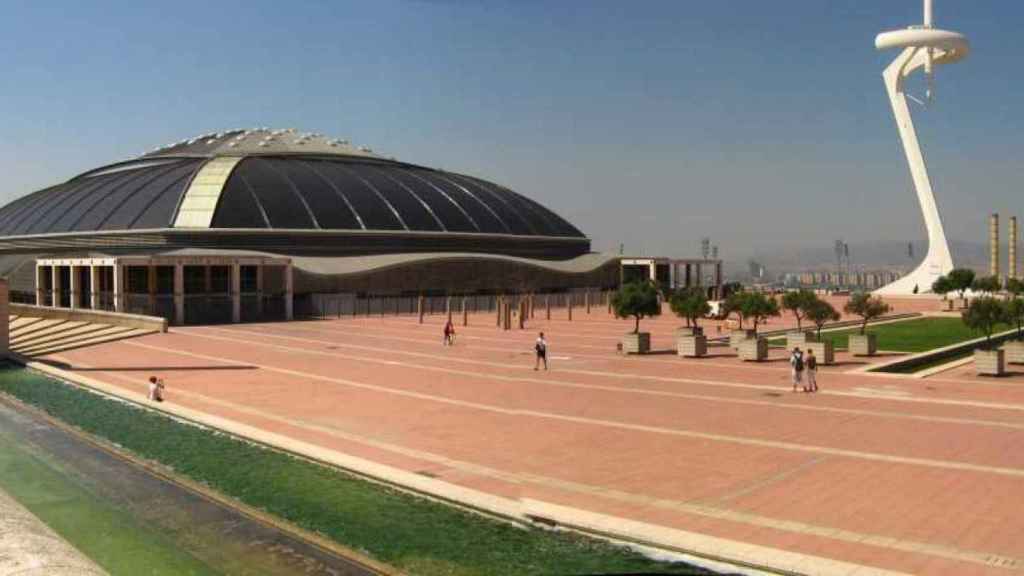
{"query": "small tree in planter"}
pixel 1015 287
pixel 691 304
pixel 820 313
pixel 798 303
pixel 983 315
pixel 942 286
pixel 868 307
pixel 759 307
pixel 734 306
pixel 960 280
pixel 638 300
pixel 1014 312
pixel 988 285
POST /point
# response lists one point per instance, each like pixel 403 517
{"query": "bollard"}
pixel 523 308
pixel 419 308
pixel 586 300
pixel 465 313
pixel 448 305
pixel 508 315
pixel 608 299
pixel 570 307
pixel 547 305
pixel 499 304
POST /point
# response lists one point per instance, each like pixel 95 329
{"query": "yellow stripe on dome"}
pixel 201 198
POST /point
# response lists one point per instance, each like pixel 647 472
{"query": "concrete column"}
pixel 236 291
pixel 654 271
pixel 419 308
pixel 259 290
pixel 57 288
pixel 993 245
pixel 499 304
pixel 547 305
pixel 179 293
pixel 586 300
pixel 523 311
pixel 151 286
pixel 118 287
pixel 289 290
pixel 570 306
pixel 94 287
pixel 1011 249
pixel 465 312
pixel 74 289
pixel 40 284
pixel 448 307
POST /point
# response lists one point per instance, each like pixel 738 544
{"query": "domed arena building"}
pixel 259 224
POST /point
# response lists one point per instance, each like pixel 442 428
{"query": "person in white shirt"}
pixel 541 348
pixel 156 389
pixel 796 361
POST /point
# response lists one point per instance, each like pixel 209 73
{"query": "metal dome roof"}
pixel 283 180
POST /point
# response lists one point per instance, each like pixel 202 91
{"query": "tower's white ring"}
pixel 953 45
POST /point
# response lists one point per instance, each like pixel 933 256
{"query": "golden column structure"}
pixel 1011 249
pixel 993 245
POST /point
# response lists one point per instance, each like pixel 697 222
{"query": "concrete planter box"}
pixel 689 331
pixel 863 344
pixel 754 350
pixel 990 362
pixel 736 337
pixel 825 352
pixel 639 343
pixel 1014 352
pixel 799 338
pixel 692 346
pixel 949 305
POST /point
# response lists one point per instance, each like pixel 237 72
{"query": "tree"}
pixel 690 303
pixel 820 313
pixel 988 284
pixel 1015 287
pixel 759 307
pixel 638 300
pixel 866 306
pixel 960 280
pixel 797 303
pixel 734 305
pixel 983 315
pixel 730 288
pixel 942 286
pixel 1014 309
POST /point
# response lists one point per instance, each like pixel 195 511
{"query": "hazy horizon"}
pixel 764 126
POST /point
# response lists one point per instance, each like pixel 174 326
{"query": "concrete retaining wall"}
pixel 85 315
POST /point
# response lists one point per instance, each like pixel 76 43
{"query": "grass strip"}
pixel 918 335
pixel 413 534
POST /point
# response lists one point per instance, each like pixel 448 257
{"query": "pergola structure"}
pixel 183 288
pixel 675 273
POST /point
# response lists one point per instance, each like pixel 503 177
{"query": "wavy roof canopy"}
pixel 277 180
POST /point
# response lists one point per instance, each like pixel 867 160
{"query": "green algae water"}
pixel 129 521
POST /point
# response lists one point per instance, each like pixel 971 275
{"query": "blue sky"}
pixel 760 124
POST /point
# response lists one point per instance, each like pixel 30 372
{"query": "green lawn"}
pixel 917 335
pixel 416 535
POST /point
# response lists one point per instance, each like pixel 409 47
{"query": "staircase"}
pixel 36 336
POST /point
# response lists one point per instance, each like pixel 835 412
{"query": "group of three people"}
pixel 801 363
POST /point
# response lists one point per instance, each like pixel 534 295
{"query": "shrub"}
pixel 983 315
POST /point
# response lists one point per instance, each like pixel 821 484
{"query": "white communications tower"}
pixel 923 47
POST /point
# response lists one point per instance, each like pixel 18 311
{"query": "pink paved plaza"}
pixel 909 475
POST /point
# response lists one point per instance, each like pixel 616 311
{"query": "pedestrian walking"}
pixel 541 348
pixel 156 389
pixel 449 333
pixel 796 361
pixel 812 372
